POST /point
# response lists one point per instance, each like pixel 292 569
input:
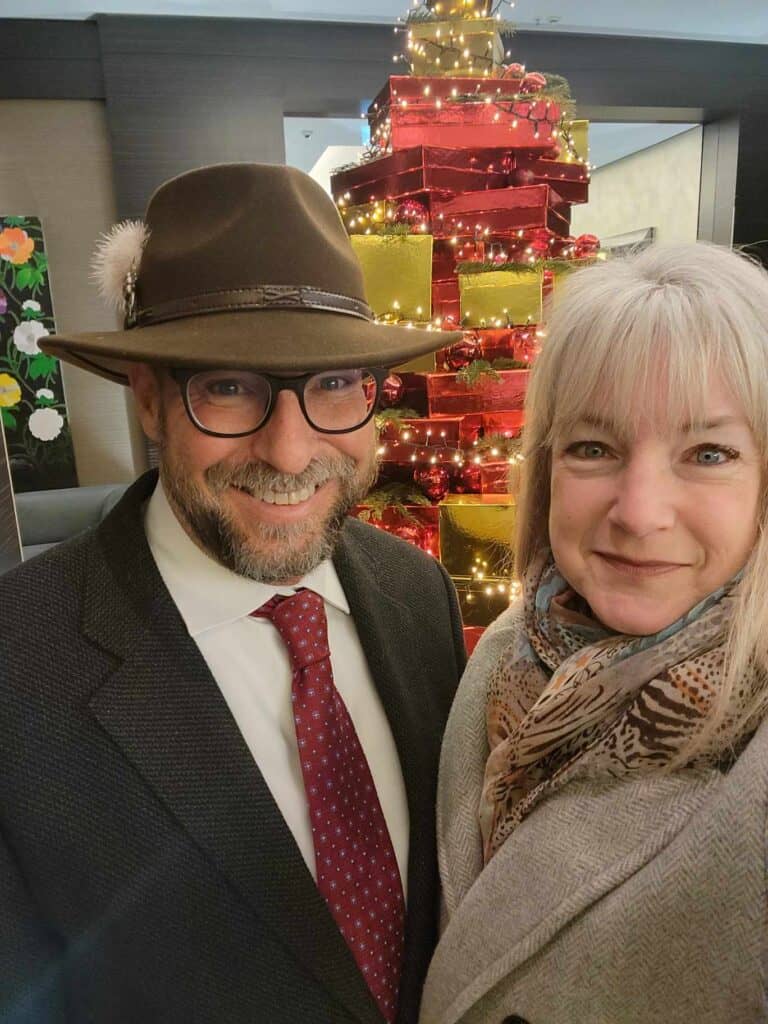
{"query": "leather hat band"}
pixel 266 296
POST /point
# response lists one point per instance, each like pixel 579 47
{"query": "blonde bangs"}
pixel 646 352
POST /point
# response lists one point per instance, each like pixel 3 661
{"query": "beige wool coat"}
pixel 620 902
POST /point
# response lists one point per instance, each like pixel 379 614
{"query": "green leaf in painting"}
pixel 24 277
pixel 9 420
pixel 41 366
pixel 15 222
pixel 41 260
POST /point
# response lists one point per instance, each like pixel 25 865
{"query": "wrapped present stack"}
pixel 459 211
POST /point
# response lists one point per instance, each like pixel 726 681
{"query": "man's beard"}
pixel 268 552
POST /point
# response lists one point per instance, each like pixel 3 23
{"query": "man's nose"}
pixel 286 442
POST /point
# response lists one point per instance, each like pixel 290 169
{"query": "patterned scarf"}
pixel 572 699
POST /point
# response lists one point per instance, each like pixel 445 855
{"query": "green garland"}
pixel 395 496
pixel 394 416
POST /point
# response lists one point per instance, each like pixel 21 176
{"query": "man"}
pixel 222 709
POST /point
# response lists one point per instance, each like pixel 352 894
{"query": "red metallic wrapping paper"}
pixel 410 172
pixel 402 116
pixel 418 526
pixel 506 343
pixel 448 396
pixel 503 211
pixel 445 299
pixel 472 636
pixel 423 431
pixel 478 425
pixel 570 180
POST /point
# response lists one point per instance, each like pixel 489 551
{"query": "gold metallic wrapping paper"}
pixel 501 297
pixel 580 137
pixel 456 48
pixel 476 533
pixel 398 274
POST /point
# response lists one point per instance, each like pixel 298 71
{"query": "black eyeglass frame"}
pixel 182 375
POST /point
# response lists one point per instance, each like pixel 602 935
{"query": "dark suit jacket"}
pixel 146 874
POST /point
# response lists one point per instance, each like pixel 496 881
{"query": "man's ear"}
pixel 147 392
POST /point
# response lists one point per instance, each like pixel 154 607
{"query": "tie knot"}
pixel 300 621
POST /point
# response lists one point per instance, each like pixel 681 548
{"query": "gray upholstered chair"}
pixel 49 517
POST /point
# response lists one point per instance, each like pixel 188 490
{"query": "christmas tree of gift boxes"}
pixel 460 214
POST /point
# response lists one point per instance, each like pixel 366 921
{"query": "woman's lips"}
pixel 630 567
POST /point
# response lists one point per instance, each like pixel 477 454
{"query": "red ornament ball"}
pixel 433 480
pixel 534 81
pixel 392 390
pixel 468 479
pixel 522 176
pixel 410 532
pixel 462 353
pixel 514 71
pixel 411 212
pixel 538 247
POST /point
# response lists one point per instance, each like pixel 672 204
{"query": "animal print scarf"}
pixel 572 699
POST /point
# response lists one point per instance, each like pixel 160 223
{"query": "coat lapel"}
pixel 386 630
pixel 164 711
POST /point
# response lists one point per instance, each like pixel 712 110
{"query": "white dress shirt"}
pixel 250 664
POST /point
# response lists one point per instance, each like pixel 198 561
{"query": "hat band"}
pixel 265 296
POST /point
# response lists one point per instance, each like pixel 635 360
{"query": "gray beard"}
pixel 268 552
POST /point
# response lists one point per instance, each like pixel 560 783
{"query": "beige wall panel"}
pixel 655 188
pixel 55 163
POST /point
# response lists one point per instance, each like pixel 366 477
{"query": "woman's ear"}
pixel 147 392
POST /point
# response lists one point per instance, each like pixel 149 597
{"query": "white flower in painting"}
pixel 31 304
pixel 45 393
pixel 27 335
pixel 45 424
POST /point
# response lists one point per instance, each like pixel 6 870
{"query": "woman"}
pixel 604 778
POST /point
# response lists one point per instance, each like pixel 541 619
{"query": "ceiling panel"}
pixel 734 20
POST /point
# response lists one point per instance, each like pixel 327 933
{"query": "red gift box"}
pixel 570 180
pixel 403 116
pixel 420 169
pixel 475 426
pixel 418 525
pixel 446 301
pixel 503 212
pixel 472 636
pixel 496 477
pixel 449 396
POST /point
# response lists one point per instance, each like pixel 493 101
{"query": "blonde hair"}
pixel 658 322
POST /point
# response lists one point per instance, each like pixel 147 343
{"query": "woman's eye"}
pixel 714 455
pixel 590 450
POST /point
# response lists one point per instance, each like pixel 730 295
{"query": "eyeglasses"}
pixel 234 403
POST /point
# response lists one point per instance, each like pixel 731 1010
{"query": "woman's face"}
pixel 643 528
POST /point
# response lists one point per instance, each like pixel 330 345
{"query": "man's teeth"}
pixel 288 497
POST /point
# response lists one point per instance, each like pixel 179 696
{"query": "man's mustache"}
pixel 259 478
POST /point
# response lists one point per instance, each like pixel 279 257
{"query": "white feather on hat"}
pixel 117 255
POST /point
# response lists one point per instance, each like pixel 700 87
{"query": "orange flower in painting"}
pixel 15 245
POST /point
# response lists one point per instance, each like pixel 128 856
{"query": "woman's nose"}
pixel 645 497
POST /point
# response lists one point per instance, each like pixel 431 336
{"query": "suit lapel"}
pixel 167 716
pixel 386 631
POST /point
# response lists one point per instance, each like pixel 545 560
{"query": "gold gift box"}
pixel 500 298
pixel 456 48
pixel 420 364
pixel 481 603
pixel 580 137
pixel 398 274
pixel 367 217
pixel 476 535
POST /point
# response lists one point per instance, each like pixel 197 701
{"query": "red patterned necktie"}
pixel 357 873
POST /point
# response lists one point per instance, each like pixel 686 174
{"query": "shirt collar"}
pixel 208 594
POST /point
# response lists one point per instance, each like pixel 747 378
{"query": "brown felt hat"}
pixel 240 265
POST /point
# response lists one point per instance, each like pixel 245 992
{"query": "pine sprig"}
pixel 488 267
pixel 478 370
pixel 500 444
pixel 394 416
pixel 396 497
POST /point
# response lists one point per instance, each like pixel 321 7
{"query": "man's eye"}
pixel 334 383
pixel 714 455
pixel 225 388
pixel 591 450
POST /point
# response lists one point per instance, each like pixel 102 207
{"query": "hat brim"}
pixel 281 340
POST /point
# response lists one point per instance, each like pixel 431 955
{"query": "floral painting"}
pixel 32 408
